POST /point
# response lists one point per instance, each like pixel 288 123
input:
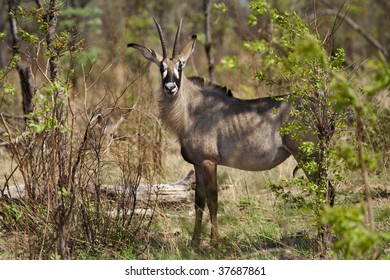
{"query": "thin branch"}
pixel 11 116
pixel 375 43
pixel 335 27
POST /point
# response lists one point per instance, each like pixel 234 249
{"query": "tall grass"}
pixel 74 144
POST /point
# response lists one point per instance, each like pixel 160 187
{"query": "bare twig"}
pixel 335 27
pixel 11 116
pixel 355 26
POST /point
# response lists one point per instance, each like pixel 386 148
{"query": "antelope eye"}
pixel 180 66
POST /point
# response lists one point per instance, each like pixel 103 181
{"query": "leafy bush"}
pixel 354 240
pixel 296 63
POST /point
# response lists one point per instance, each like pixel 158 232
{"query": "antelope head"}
pixel 170 68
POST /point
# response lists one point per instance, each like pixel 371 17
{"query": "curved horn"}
pixel 177 40
pixel 163 45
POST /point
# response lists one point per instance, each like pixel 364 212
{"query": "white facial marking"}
pixel 176 71
pixel 165 70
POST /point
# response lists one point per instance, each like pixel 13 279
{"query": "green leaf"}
pixel 8 89
pixel 229 62
pixel 37 128
pixel 63 192
pixel 220 7
pixel 256 46
pixel 252 20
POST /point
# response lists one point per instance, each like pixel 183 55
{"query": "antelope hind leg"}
pixel 210 178
pixel 200 202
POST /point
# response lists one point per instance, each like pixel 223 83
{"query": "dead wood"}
pixel 164 194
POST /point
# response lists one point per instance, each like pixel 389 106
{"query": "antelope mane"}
pixel 207 85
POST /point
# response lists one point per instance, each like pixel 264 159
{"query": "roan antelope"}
pixel 215 128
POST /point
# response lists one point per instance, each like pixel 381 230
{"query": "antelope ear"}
pixel 187 50
pixel 149 54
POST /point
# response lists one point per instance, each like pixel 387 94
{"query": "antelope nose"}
pixel 170 88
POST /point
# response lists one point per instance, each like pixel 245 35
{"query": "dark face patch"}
pixel 171 71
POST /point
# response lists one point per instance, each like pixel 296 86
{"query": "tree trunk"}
pixel 3 21
pixel 23 71
pixel 208 44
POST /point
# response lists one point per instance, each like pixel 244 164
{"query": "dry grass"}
pixel 253 222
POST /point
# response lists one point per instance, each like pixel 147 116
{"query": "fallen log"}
pixel 166 193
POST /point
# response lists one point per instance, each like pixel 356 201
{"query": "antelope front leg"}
pixel 210 179
pixel 200 202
